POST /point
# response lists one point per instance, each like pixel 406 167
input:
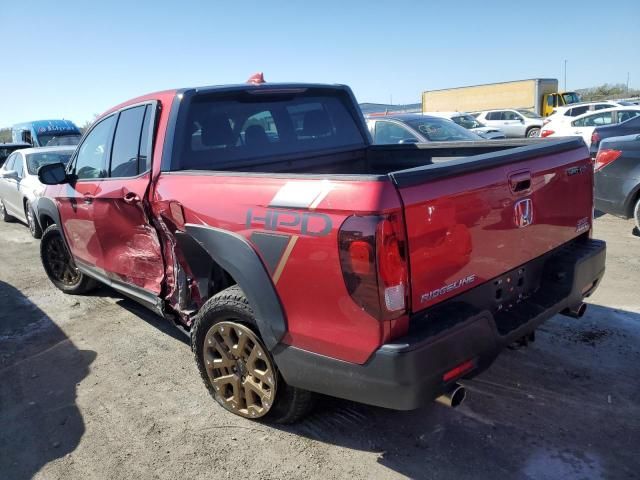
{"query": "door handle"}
pixel 131 198
pixel 520 182
pixel 87 198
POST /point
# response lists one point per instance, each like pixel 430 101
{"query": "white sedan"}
pixel 19 184
pixel 584 125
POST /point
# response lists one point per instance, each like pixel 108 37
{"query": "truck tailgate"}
pixel 469 221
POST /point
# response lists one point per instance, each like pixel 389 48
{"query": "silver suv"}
pixel 515 123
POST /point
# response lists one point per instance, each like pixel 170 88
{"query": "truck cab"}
pixel 46 133
pixel 560 99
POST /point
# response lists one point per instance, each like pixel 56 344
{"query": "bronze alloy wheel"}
pixel 240 370
pixel 60 264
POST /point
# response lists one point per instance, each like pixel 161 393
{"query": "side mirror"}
pixel 409 140
pixel 53 174
pixel 10 174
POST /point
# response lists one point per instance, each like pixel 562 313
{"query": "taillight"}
pixel 595 138
pixel 374 264
pixel 546 133
pixel 605 157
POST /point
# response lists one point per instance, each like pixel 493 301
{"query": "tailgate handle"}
pixel 520 182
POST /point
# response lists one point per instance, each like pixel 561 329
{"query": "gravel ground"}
pixel 96 387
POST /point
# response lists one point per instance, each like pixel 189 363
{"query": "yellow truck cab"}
pixel 552 100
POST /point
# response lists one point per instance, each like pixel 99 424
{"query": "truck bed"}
pixel 408 163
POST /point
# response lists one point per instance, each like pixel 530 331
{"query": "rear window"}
pixel 217 131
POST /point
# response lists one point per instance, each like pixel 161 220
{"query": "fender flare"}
pixel 46 207
pixel 234 253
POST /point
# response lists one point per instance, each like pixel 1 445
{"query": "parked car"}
pixel 286 257
pixel 19 184
pixel 515 123
pixel 469 122
pixel 630 126
pixel 569 111
pixel 617 177
pixel 7 149
pixel 584 125
pixel 416 128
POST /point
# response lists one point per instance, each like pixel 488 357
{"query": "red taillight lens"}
pixel 546 133
pixel 605 157
pixel 595 138
pixel 374 266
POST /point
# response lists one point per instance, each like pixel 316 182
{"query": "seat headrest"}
pixel 215 130
pixel 255 136
pixel 316 123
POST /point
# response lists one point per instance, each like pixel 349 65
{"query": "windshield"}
pixel 570 97
pixel 467 121
pixel 54 140
pixel 37 160
pixel 441 130
pixel 6 151
pixel 528 114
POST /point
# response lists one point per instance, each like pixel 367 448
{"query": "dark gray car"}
pixel 617 177
pixel 630 126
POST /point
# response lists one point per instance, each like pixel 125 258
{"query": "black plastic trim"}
pixel 408 372
pixel 496 153
pixel 140 295
pixel 233 253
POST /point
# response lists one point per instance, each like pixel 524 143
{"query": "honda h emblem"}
pixel 523 213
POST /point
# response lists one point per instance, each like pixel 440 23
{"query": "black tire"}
pixel 59 265
pixel 636 214
pixel 533 132
pixel 32 222
pixel 231 306
pixel 3 213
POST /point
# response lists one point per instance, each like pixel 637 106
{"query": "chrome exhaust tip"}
pixel 454 397
pixel 577 311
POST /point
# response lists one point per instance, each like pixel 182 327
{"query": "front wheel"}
pixel 34 226
pixel 533 132
pixel 59 266
pixel 3 213
pixel 237 368
pixel 636 214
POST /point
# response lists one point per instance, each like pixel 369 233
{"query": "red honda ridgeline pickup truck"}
pixel 301 258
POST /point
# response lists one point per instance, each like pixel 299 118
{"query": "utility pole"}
pixel 565 75
pixel 627 84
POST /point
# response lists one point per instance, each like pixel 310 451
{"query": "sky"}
pixel 76 59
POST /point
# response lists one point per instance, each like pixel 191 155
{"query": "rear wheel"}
pixel 237 368
pixel 59 265
pixel 533 132
pixel 3 213
pixel 636 214
pixel 34 226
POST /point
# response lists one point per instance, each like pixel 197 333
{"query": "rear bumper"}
pixel 408 373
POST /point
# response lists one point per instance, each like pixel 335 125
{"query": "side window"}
pixel 510 116
pixel 602 106
pixel 10 161
pixel 625 115
pixel 494 115
pixel 19 166
pixel 604 118
pixel 389 132
pixel 126 142
pixel 575 111
pixel 550 101
pixel 91 161
pixel 144 159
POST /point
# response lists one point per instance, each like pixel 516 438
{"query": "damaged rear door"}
pixel 131 252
